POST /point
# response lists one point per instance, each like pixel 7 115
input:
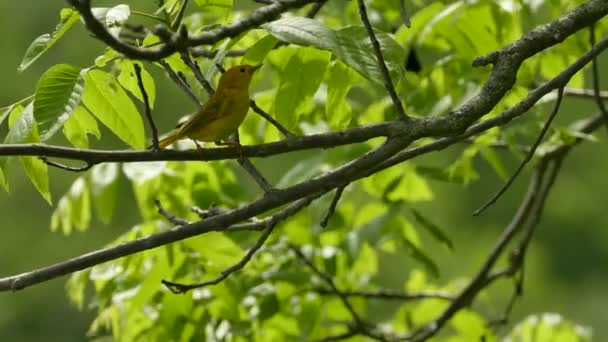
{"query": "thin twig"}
pixel 386 294
pixel 270 119
pixel 147 109
pixel 182 40
pixel 268 224
pixel 496 196
pixel 386 77
pixel 180 82
pixel 596 78
pixel 248 166
pixel 584 93
pixel 49 162
pixel 481 279
pixel 183 288
pixel 329 281
pixel 403 12
pixel 178 221
pixel 196 70
pixel 332 206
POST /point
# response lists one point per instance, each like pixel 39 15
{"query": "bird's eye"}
pixel 242 69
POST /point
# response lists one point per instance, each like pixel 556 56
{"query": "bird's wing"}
pixel 210 111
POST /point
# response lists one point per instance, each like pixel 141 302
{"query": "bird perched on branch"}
pixel 222 114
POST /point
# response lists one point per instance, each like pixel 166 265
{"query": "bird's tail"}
pixel 170 138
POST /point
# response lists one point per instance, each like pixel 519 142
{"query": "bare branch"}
pixel 49 162
pixel 180 82
pixel 169 216
pixel 181 40
pixel 147 110
pixel 386 76
pixel 596 79
pixel 529 155
pixel 183 288
pixel 386 294
pixel 332 206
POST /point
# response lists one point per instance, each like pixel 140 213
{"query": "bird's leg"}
pixel 235 144
pixel 199 148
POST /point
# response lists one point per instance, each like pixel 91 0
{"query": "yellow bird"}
pixel 222 114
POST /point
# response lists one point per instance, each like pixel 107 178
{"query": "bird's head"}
pixel 238 76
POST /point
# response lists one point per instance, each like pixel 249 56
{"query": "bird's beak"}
pixel 256 67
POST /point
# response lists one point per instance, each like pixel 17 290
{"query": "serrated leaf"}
pixel 104 185
pixel 68 17
pixel 57 94
pixel 106 99
pixel 128 80
pixel 80 124
pixel 23 129
pixel 300 78
pixel 337 109
pixel 433 229
pixel 258 51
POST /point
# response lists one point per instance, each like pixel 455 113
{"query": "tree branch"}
pixel 386 76
pixel 181 40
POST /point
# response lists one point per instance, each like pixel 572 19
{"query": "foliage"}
pixel 325 79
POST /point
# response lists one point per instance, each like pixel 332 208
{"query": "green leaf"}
pixel 128 80
pixel 12 112
pixel 337 109
pixel 302 31
pixel 350 44
pixel 80 124
pixel 57 94
pixel 76 286
pixel 216 247
pixel 418 255
pixel 258 51
pixel 300 78
pixel 23 129
pixel 142 172
pixel 104 97
pixel 356 50
pixel 80 198
pixel 104 185
pixel 216 3
pixel 433 229
pixel 68 17
pixel 366 263
pixel 494 160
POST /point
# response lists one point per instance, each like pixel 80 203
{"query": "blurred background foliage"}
pixel 565 271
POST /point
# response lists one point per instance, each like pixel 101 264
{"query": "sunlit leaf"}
pixel 57 94
pixel 300 78
pixel 68 17
pixel 106 99
pixel 258 51
pixel 104 188
pixel 78 127
pixel 23 129
pixel 128 80
pixel 337 108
